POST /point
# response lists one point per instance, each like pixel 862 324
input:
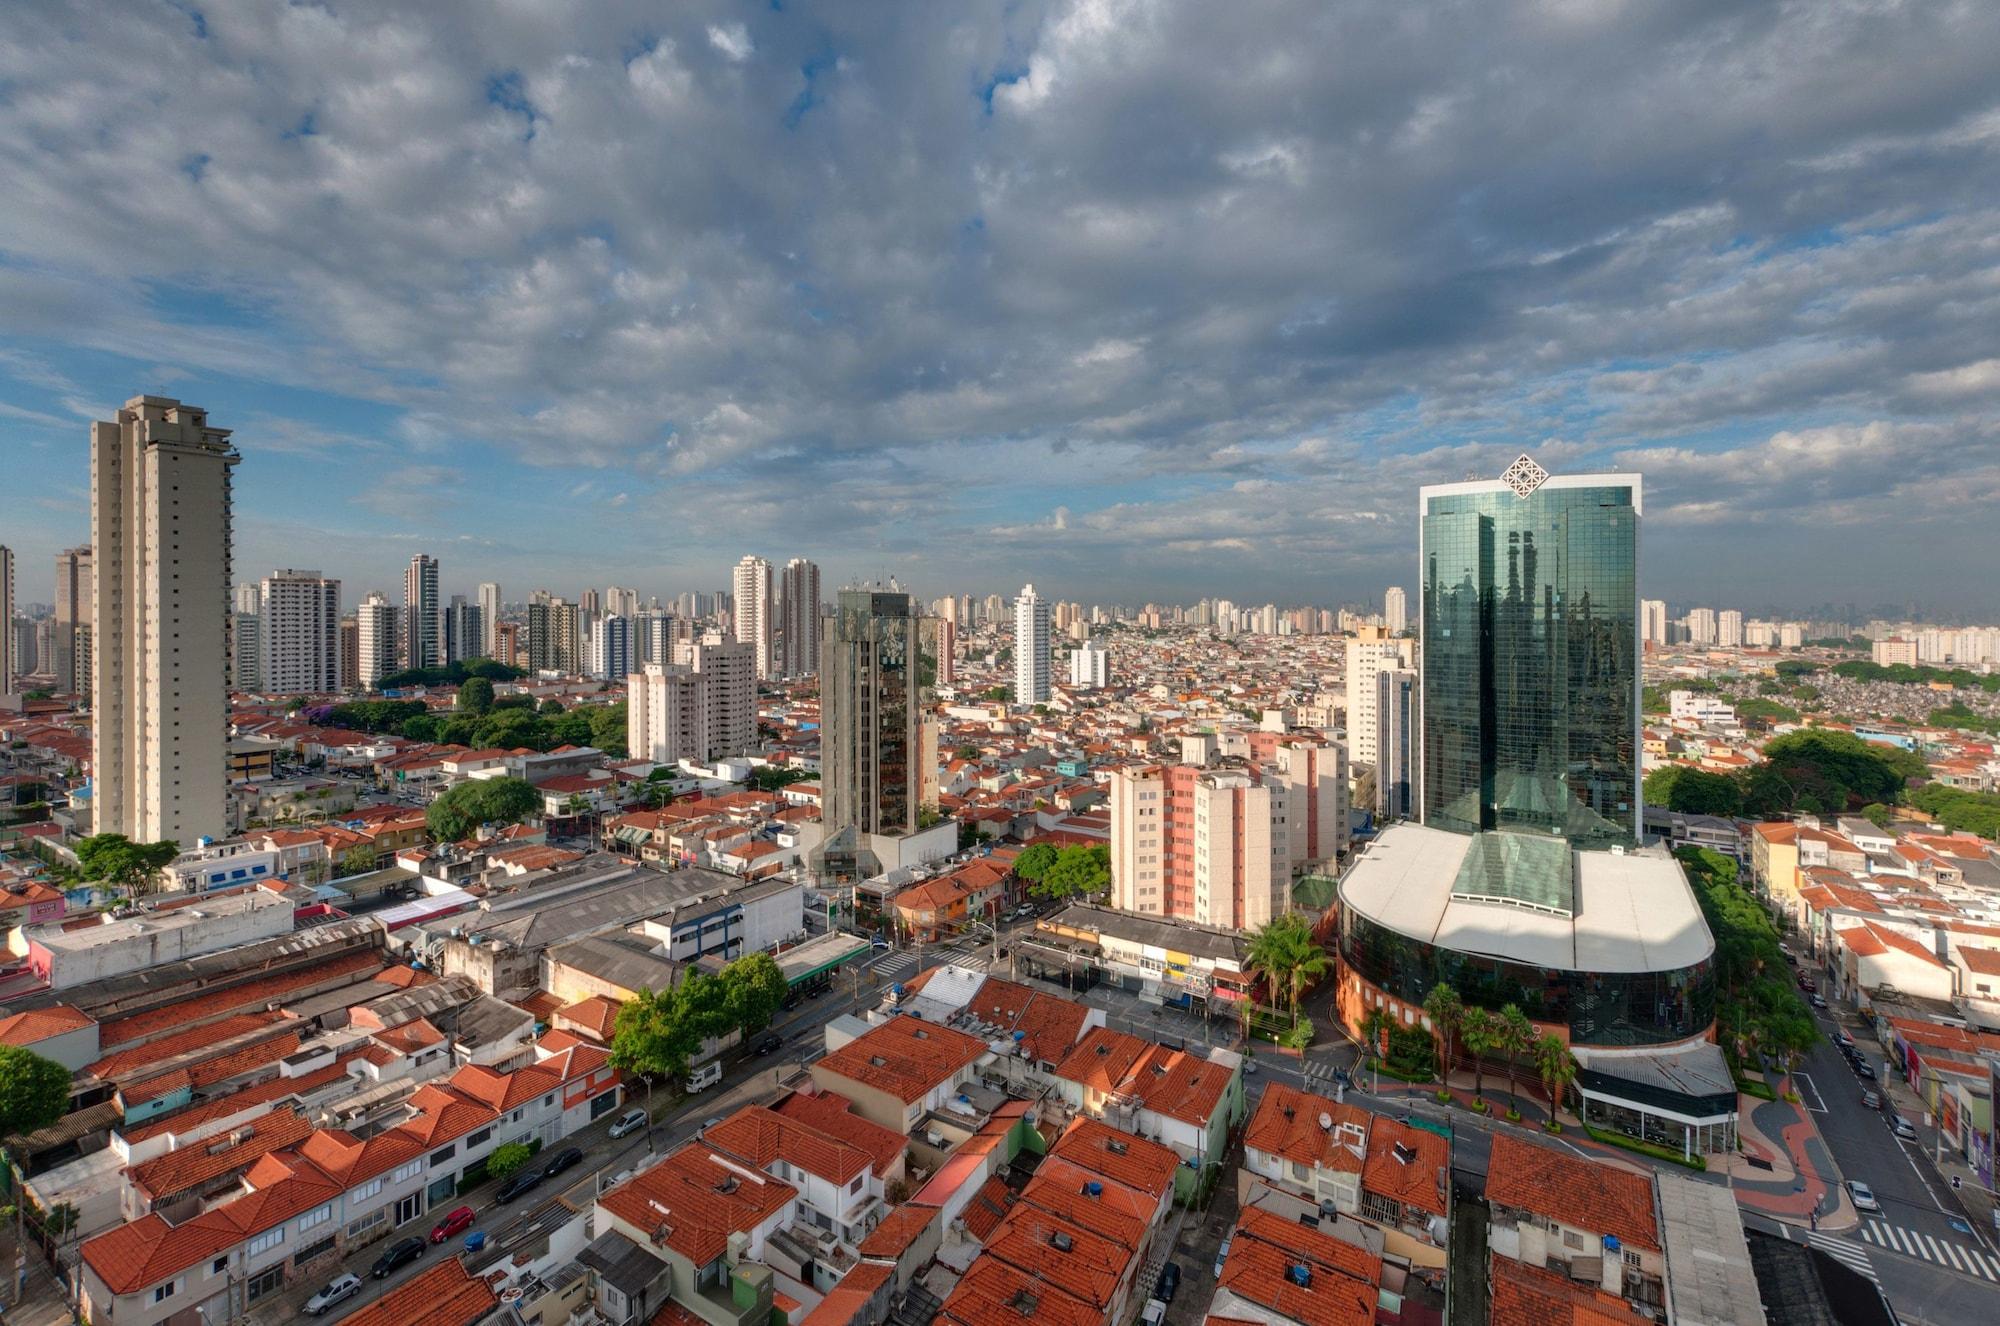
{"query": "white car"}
pixel 1862 1196
pixel 338 1290
pixel 629 1122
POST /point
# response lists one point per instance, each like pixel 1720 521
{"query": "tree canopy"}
pixel 116 859
pixel 508 722
pixel 475 696
pixel 34 1092
pixel 1035 860
pixel 1822 772
pixel 1077 869
pixel 1284 952
pixel 1758 1010
pixel 452 674
pixel 1692 791
pixel 1956 809
pixel 661 1031
pixel 461 810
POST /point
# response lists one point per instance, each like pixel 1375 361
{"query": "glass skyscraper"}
pixel 1530 658
pixel 878 664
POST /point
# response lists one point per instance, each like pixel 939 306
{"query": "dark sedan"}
pixel 396 1256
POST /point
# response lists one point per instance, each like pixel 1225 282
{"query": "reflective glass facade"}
pixel 1530 661
pixel 879 662
pixel 1600 1008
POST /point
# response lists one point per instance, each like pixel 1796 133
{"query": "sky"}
pixel 1133 300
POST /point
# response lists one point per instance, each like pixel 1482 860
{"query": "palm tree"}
pixel 1446 1010
pixel 1480 1032
pixel 1373 1026
pixel 1557 1068
pixel 1517 1038
pixel 1284 953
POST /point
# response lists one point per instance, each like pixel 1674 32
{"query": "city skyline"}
pixel 1382 272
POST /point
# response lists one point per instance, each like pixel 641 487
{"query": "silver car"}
pixel 338 1290
pixel 1862 1196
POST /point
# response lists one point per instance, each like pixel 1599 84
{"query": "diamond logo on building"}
pixel 1524 476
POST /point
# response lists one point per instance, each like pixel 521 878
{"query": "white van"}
pixel 704 1077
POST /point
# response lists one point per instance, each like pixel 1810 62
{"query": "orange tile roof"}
pixel 759 1136
pixel 1082 1263
pixel 1526 1295
pixel 1342 1278
pixel 1286 1125
pixel 835 1116
pixel 126 1062
pixel 848 1299
pixel 898 1230
pixel 249 996
pixel 905 1057
pixel 694 1199
pixel 1132 1161
pixel 1590 1195
pixel 39 1024
pixel 594 1016
pixel 1985 961
pixel 1102 1059
pixel 1416 1180
pixel 189 1167
pixel 445 1294
pixel 994 1293
pixel 988 1207
pixel 278 1088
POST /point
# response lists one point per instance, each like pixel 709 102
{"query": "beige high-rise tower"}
pixel 160 536
pixel 72 630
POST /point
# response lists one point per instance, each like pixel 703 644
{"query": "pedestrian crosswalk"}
pixel 1944 1252
pixel 1320 1077
pixel 902 964
pixel 1847 1252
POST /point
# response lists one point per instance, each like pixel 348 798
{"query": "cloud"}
pixel 911 276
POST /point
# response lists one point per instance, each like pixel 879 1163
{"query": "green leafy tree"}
pixel 607 728
pixel 461 810
pixel 1692 791
pixel 1959 810
pixel 1556 1066
pixel 1078 870
pixel 507 1159
pixel 966 753
pixel 753 990
pixel 1035 860
pixel 1816 771
pixel 34 1092
pixel 115 859
pixel 1446 1010
pixel 770 777
pixel 551 706
pixel 356 860
pixel 1878 814
pixel 518 700
pixel 424 727
pixel 475 696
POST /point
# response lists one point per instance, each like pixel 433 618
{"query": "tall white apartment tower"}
pixel 375 631
pixel 1031 647
pixel 1729 629
pixel 1701 626
pixel 423 612
pixel 7 663
pixel 489 617
pixel 798 600
pixel 300 612
pixel 1374 649
pixel 1395 610
pixel 752 592
pixel 1653 621
pixel 160 535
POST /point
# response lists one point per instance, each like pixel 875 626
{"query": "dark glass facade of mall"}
pixel 1599 1008
pixel 1530 662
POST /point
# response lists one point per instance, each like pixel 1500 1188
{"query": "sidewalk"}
pixel 1977 1202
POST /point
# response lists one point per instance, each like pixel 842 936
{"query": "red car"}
pixel 456 1223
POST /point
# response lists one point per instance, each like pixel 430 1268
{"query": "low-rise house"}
pixel 901 1070
pixel 1593 1221
pixel 1183 1100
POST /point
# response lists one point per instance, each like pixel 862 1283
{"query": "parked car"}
pixel 457 1222
pixel 1901 1127
pixel 1870 1100
pixel 1222 1255
pixel 564 1159
pixel 396 1256
pixel 1863 1071
pixel 523 1181
pixel 1170 1280
pixel 631 1121
pixel 704 1077
pixel 1862 1196
pixel 769 1043
pixel 338 1290
pixel 1816 1001
pixel 1842 1039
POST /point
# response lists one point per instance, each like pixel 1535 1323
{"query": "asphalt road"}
pixel 1920 1222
